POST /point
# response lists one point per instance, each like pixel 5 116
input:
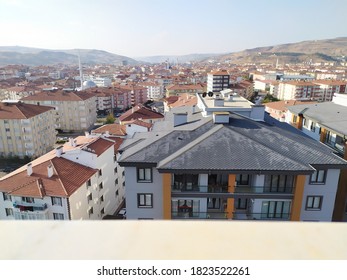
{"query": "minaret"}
pixel 277 63
pixel 81 73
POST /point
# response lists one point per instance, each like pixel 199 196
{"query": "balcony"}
pixel 265 189
pixel 261 216
pixel 29 207
pixel 199 215
pixel 177 187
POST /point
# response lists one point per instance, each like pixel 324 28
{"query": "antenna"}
pixel 80 66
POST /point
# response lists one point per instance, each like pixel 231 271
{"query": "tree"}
pixel 269 98
pixel 110 119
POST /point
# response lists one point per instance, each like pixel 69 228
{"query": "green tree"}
pixel 110 119
pixel 269 98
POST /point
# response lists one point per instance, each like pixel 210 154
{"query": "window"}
pixel 117 193
pixel 114 158
pixel 295 118
pixel 213 203
pixel 275 210
pixel 144 175
pixel 313 126
pixel 101 186
pixel 89 183
pixel 28 199
pixel 102 198
pixel 241 203
pixel 89 197
pixel 7 129
pixel 242 179
pixel 186 182
pixel 58 216
pixel 115 170
pixel 57 201
pixel 100 172
pixel 318 177
pixel 279 183
pixel 116 182
pixel 6 196
pixel 102 212
pixel 145 200
pixel 314 202
pixel 90 211
pixel 9 211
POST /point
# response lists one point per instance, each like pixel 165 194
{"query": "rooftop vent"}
pixel 221 117
pixel 29 169
pixel 180 118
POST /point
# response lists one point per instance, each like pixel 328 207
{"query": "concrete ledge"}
pixel 172 240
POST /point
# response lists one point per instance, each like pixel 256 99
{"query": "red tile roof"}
pixel 99 146
pixel 21 110
pixel 67 177
pixel 60 95
pixel 117 142
pixel 140 112
pixel 113 129
pixel 140 123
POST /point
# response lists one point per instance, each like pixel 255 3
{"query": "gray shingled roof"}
pixel 327 114
pixel 241 145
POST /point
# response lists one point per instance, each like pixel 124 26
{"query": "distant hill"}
pixel 316 50
pixel 175 58
pixel 34 56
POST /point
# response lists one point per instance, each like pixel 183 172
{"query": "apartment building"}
pixel 26 129
pixel 330 87
pixel 326 122
pixel 227 166
pixel 76 110
pixel 78 181
pixel 155 91
pixel 218 80
pixel 138 93
pixel 299 90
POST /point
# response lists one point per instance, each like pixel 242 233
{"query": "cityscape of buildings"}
pixel 174 141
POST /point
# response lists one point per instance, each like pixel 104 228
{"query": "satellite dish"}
pixel 210 93
pixel 204 94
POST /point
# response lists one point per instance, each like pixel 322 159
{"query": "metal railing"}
pixel 25 206
pixel 199 215
pixel 264 189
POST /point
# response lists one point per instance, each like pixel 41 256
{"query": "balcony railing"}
pixel 261 216
pixel 25 206
pixel 264 189
pixel 196 188
pixel 199 215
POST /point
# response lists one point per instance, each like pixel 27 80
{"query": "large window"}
pixel 242 179
pixel 28 199
pixel 318 177
pixel 186 182
pixel 241 203
pixel 9 211
pixel 275 210
pixel 314 203
pixel 279 183
pixel 144 175
pixel 57 201
pixel 213 203
pixel 58 216
pixel 6 196
pixel 145 200
pixel 185 208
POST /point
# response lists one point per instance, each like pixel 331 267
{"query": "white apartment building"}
pixel 78 181
pixel 26 129
pixel 299 90
pixel 218 81
pixel 330 87
pixel 102 81
pixel 76 110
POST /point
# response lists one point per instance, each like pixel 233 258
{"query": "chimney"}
pixel 50 171
pixel 258 112
pixel 86 134
pixel 107 133
pixel 59 151
pixel 29 169
pixel 221 117
pixel 180 118
pixel 72 142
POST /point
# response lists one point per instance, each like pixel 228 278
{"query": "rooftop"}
pixel 20 110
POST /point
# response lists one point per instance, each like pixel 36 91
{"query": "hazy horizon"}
pixel 136 28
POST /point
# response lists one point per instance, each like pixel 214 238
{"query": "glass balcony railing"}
pixel 199 215
pixel 261 216
pixel 264 189
pixel 196 188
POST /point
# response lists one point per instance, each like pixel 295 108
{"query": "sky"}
pixel 137 28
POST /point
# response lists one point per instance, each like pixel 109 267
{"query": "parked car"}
pixel 122 212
